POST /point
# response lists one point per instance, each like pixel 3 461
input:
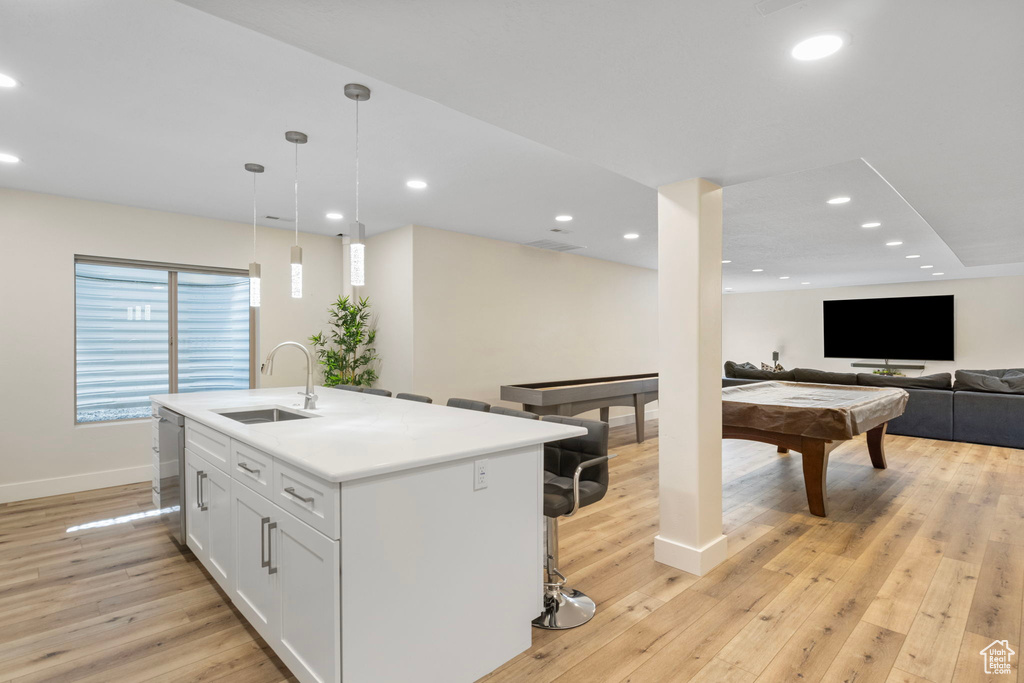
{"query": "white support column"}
pixel 690 381
pixel 346 268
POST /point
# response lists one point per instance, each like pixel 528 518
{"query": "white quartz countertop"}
pixel 358 435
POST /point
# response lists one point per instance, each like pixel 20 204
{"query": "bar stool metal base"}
pixel 564 609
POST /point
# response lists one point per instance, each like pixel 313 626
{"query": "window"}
pixel 143 329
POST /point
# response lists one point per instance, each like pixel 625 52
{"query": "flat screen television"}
pixel 905 328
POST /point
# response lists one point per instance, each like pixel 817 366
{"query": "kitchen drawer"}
pixel 314 501
pixel 208 444
pixel 252 467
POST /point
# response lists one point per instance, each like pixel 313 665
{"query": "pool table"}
pixel 811 419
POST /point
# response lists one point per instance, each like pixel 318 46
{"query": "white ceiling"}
pixel 784 226
pixel 929 93
pixel 158 105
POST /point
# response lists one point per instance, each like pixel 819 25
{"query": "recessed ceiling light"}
pixel 7 82
pixel 938 273
pixel 805 283
pixel 564 218
pixel 728 289
pixel 630 236
pixel 334 216
pixel 838 200
pixel 726 261
pixel 416 184
pixel 783 277
pixel 817 47
pixel 893 244
pixel 914 256
pixel 926 267
pixel 757 270
pixel 870 225
pixel 8 158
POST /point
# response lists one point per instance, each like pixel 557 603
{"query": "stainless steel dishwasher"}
pixel 172 472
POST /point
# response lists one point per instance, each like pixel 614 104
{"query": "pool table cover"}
pixel 822 411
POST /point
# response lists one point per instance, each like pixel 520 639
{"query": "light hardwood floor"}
pixel 916 570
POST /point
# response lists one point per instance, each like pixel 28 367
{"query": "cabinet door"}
pixel 197 522
pixel 220 544
pixel 309 586
pixel 255 587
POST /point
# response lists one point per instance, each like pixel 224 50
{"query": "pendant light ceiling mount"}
pixel 357 92
pixel 254 168
pixel 296 137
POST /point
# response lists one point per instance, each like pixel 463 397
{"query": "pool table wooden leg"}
pixel 875 446
pixel 815 459
pixel 783 449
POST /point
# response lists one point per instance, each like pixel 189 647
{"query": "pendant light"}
pixel 297 138
pixel 357 250
pixel 254 268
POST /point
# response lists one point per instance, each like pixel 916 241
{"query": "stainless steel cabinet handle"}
pixel 156 490
pixel 271 569
pixel 263 542
pixel 156 449
pixel 245 466
pixel 200 498
pixel 291 492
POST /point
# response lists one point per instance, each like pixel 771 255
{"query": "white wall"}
pixel 989 323
pixel 389 285
pixel 43 452
pixel 488 312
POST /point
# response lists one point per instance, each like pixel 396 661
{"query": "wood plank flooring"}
pixel 917 569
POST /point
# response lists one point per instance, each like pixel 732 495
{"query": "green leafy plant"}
pixel 347 351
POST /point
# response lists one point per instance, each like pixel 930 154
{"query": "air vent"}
pixel 563 231
pixel 766 7
pixel 553 245
pixel 278 218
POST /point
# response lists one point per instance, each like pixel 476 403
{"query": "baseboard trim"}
pixel 41 488
pixel 697 561
pixel 619 420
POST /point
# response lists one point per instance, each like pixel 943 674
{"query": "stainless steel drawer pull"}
pixel 200 502
pixel 263 542
pixel 250 470
pixel 291 492
pixel 271 569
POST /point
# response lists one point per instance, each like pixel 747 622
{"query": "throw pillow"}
pixel 824 377
pixel 730 367
pixel 993 381
pixel 941 380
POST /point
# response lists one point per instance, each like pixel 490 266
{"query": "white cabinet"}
pixel 309 595
pixel 287 584
pixel 208 517
pixel 255 583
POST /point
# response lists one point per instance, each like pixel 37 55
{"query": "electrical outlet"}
pixel 479 475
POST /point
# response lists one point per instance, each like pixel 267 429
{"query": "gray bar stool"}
pixel 512 412
pixel 414 397
pixel 377 392
pixel 468 404
pixel 575 475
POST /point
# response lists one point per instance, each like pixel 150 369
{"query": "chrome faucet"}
pixel 268 369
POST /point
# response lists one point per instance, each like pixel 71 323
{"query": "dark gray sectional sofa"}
pixel 937 409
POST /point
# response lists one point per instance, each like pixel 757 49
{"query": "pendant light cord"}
pixel 357 167
pixel 254 217
pixel 296 194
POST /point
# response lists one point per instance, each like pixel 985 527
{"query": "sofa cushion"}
pixel 929 415
pixel 730 367
pixel 991 381
pixel 748 373
pixel 824 377
pixel 942 380
pixel 989 418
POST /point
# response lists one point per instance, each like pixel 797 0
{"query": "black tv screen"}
pixel 904 328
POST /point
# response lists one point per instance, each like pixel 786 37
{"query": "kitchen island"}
pixel 369 539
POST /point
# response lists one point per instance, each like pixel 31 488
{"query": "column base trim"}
pixel 697 561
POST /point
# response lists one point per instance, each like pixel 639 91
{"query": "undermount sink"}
pixel 261 415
